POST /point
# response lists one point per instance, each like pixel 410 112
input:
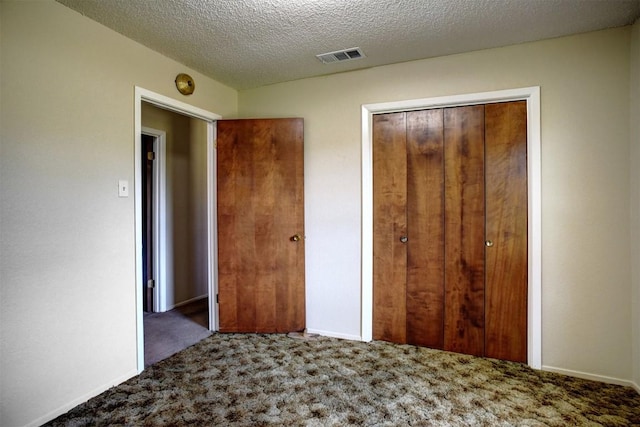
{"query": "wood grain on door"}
pixel 260 208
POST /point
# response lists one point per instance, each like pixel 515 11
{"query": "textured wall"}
pixel 586 270
pixel 67 309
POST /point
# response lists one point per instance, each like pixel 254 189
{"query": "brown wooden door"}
pixel 390 225
pixel 464 225
pixel 506 230
pixel 425 217
pixel 451 184
pixel 260 225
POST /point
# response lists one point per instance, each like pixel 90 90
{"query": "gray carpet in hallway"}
pixel 172 331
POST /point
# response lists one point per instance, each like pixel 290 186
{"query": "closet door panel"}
pixel 506 229
pixel 389 219
pixel 464 229
pixel 425 218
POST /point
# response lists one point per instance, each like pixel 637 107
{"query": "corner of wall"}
pixel 634 144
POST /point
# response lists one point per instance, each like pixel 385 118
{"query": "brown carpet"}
pixel 233 379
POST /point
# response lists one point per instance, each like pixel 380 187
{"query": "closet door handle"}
pixel 488 243
pixel 404 239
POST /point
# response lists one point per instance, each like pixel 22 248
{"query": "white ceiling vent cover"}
pixel 341 55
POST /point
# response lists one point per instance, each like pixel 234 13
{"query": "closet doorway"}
pixel 464 296
pixel 450 229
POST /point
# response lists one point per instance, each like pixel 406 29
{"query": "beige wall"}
pixel 67 293
pixel 635 197
pixel 586 268
pixel 68 309
pixel 186 208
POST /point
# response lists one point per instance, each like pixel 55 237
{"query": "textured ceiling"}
pixel 250 43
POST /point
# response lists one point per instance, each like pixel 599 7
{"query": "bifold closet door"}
pixel 390 226
pixel 464 225
pixel 506 231
pixel 408 188
pixel 425 223
pixel 450 229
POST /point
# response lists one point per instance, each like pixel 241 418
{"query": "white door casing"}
pixel 179 107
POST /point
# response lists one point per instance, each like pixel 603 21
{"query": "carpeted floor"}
pixel 234 379
pixel 172 331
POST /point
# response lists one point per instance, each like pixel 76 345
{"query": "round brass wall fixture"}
pixel 185 84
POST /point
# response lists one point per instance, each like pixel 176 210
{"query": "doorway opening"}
pixel 156 209
pixel 174 220
pixel 450 229
pixel 148 242
pixel 153 224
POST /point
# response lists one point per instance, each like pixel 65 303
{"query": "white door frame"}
pixel 188 110
pixel 159 209
pixel 534 232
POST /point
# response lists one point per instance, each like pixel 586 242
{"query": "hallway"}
pixel 172 331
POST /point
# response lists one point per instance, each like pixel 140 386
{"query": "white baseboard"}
pixel 68 406
pixel 593 377
pixel 636 387
pixel 335 335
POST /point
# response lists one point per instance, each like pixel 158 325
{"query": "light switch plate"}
pixel 123 188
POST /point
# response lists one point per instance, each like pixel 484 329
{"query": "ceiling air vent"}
pixel 341 55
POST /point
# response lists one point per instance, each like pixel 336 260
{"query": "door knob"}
pixel 296 237
pixel 404 239
pixel 488 243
